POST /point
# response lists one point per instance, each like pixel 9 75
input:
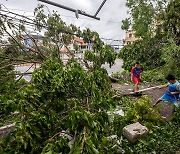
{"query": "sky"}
pixel 109 25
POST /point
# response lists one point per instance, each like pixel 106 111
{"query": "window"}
pixel 130 35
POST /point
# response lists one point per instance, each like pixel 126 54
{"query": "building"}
pixel 32 40
pixel 81 44
pixel 130 34
pixel 76 45
pixel 116 48
pixel 130 37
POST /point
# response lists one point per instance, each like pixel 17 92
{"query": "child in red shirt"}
pixel 136 76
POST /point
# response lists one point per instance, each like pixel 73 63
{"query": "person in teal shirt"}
pixel 173 92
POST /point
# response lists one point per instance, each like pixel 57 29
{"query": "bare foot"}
pixel 154 105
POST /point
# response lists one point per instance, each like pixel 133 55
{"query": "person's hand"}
pixel 173 93
pixel 154 105
pixel 160 87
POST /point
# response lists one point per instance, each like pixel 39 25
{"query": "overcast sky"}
pixel 111 15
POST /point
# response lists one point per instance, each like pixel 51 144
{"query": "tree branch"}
pixel 84 138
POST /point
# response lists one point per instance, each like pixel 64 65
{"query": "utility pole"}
pixel 100 8
pixel 71 9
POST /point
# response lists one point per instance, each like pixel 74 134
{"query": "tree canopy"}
pixel 156 24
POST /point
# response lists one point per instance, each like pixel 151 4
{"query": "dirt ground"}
pixel 166 109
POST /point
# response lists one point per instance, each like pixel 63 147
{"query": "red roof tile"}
pixel 80 41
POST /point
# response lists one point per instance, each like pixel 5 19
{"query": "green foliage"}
pixel 161 139
pixel 125 24
pixel 58 31
pixel 67 103
pixel 146 16
pixel 4 70
pixel 156 59
pixel 8 103
pixel 124 77
pixel 147 52
pixel 171 55
pixel 61 98
pixel 154 76
pixel 136 111
pixel 106 54
pixel 142 15
pixel 156 24
pixel 76 47
pixel 170 18
pixel 8 93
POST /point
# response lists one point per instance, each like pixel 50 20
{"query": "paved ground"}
pixel 166 109
pixel 117 67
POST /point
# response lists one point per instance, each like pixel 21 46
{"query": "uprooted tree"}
pixel 63 108
pixel 57 36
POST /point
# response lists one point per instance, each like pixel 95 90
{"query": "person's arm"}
pixel 174 93
pixel 177 92
pixel 163 86
pixel 131 76
pixel 132 71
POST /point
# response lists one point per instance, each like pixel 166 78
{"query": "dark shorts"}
pixel 167 98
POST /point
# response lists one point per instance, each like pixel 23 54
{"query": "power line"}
pixel 19 10
pixel 17 19
pixel 110 39
pixel 69 16
pixel 32 23
pixel 16 14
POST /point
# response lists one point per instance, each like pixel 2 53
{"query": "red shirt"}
pixel 136 72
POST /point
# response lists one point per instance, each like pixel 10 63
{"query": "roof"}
pixel 77 39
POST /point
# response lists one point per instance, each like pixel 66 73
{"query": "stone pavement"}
pixel 166 109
